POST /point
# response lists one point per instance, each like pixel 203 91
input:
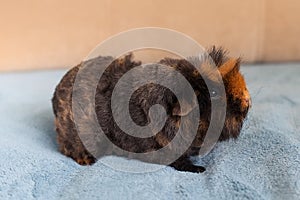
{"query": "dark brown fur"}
pixel 238 102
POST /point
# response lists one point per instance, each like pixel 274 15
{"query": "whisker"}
pixel 257 92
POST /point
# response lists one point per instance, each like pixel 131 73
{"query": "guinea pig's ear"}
pixel 176 111
pixel 231 65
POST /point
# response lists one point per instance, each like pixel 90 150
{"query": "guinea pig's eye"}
pixel 214 94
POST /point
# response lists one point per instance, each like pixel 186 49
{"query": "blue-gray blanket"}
pixel 264 163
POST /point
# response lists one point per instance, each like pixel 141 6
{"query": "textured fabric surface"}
pixel 264 163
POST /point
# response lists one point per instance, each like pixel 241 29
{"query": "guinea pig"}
pixel 237 99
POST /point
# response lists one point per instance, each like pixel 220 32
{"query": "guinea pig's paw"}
pixel 85 161
pixel 187 165
pixel 195 169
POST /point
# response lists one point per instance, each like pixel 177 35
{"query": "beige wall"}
pixel 60 33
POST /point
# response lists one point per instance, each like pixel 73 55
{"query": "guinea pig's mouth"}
pixel 239 108
pixel 245 111
pixel 241 115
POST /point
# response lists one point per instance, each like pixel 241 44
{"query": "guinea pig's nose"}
pixel 247 101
